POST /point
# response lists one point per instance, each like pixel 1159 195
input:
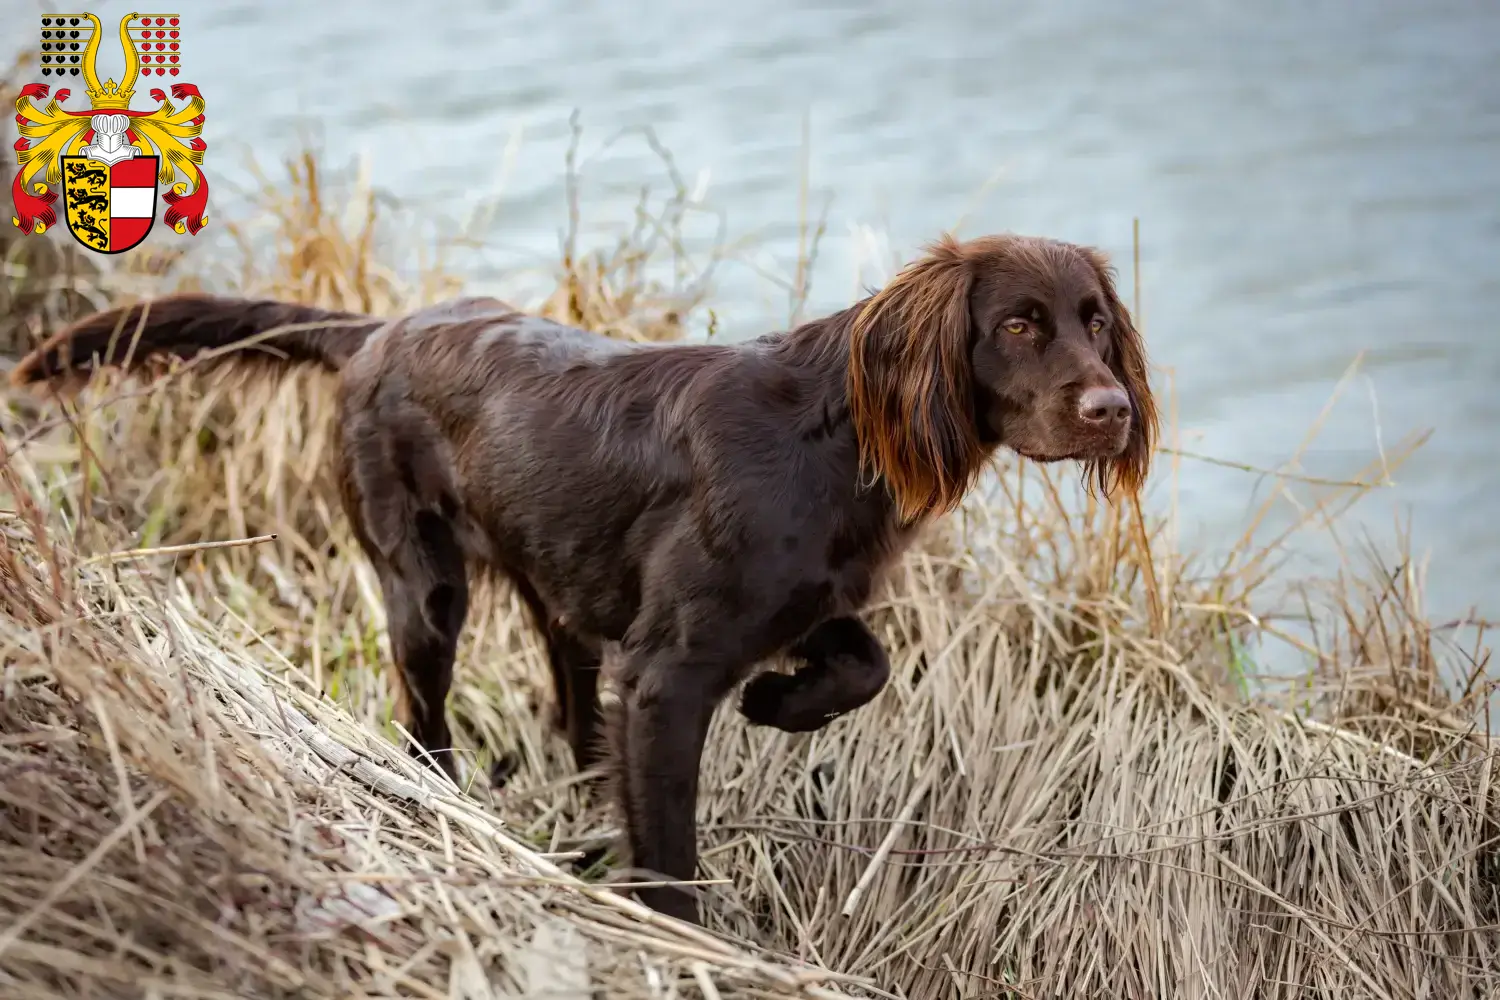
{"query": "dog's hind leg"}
pixel 396 483
pixel 575 683
pixel 575 675
pixel 426 599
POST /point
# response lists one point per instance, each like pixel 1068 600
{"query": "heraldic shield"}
pixel 111 162
pixel 110 206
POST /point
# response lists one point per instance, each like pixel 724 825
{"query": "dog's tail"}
pixel 188 325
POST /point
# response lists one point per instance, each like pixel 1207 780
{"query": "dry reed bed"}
pixel 1061 794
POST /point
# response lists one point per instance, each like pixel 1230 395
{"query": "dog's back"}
pixel 545 446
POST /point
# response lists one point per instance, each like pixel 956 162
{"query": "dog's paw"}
pixel 780 701
pixel 762 700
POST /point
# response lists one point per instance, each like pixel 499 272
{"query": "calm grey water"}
pixel 1314 179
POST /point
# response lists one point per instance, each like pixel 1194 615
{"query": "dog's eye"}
pixel 1016 326
pixel 1096 326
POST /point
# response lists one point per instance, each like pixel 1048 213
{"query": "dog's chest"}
pixel 860 566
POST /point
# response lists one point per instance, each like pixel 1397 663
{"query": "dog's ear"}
pixel 1128 363
pixel 910 383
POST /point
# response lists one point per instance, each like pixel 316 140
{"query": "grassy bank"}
pixel 1066 791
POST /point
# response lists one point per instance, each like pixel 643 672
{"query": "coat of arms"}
pixel 110 161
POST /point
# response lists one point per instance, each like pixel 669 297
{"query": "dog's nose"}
pixel 1104 406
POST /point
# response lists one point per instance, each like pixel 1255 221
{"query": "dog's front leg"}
pixel 846 667
pixel 666 706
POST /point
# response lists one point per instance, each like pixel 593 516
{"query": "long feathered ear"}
pixel 1128 362
pixel 910 384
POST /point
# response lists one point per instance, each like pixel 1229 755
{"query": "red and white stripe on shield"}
pixel 132 201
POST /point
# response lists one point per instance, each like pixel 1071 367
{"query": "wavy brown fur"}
pixel 909 384
pixel 676 514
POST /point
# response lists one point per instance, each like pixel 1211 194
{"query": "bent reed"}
pixel 1066 789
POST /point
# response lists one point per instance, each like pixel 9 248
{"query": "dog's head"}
pixel 1003 340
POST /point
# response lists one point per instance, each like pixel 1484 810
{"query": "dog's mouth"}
pixel 1063 438
pixel 1089 451
pixel 1036 456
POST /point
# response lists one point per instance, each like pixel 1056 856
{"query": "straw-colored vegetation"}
pixel 1066 791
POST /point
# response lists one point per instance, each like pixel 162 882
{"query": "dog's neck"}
pixel 819 350
pixel 823 342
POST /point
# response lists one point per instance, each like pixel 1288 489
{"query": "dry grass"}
pixel 1064 792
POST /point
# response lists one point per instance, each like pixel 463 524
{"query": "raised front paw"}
pixel 785 702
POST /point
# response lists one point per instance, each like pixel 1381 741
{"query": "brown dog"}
pixel 695 508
